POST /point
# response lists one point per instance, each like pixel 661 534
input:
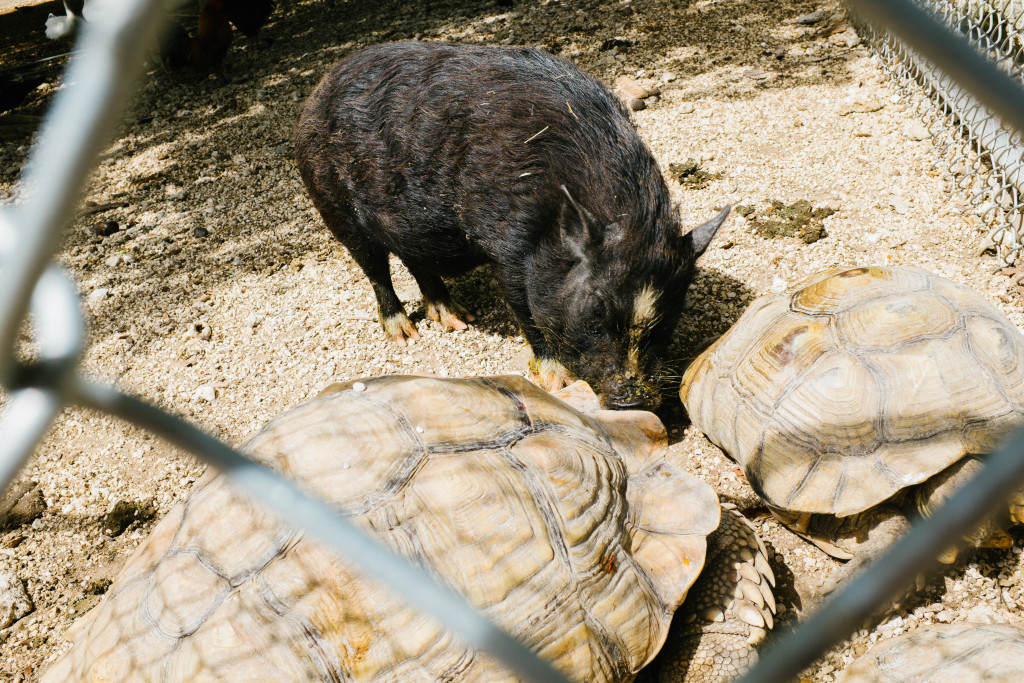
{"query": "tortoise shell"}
pixel 570 531
pixel 858 383
pixel 966 653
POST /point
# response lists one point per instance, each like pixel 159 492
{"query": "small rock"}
pixel 983 614
pixel 176 193
pixel 358 386
pixel 14 599
pixel 631 88
pixel 200 232
pixel 849 38
pixel 12 540
pixel 668 77
pixel 812 18
pixel 635 104
pixel 253 320
pixel 899 205
pixel 616 44
pixel 209 211
pixel 779 285
pixel 891 625
pixel 21 504
pixel 915 130
pixel 97 295
pixel 686 108
pixel 105 228
pixel 123 513
pixel 860 103
pixel 205 393
pixel 113 261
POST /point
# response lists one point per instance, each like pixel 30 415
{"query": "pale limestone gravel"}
pixel 267 309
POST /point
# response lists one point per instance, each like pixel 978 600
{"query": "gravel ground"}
pixel 223 299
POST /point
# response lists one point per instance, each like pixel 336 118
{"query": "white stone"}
pixel 206 393
pixel 14 599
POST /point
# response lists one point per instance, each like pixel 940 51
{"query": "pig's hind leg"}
pixel 440 307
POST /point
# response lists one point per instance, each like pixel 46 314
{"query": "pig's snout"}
pixel 630 395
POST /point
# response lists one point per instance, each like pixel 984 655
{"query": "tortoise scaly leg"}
pixel 934 492
pixel 727 613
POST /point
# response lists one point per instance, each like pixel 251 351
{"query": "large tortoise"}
pixel 569 530
pixel 856 386
pixel 965 653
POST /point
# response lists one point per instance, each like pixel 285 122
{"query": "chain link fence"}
pixel 109 56
pixel 984 157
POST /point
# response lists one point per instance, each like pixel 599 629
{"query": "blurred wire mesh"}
pixel 984 157
pixel 984 154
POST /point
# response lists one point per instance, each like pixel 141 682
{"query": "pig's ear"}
pixel 700 237
pixel 578 227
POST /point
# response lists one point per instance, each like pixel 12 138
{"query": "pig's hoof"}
pixel 549 374
pixel 452 316
pixel 399 329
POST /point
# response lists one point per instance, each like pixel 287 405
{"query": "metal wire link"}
pixel 984 157
pixel 110 55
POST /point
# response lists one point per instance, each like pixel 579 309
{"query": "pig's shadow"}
pixel 479 292
pixel 715 302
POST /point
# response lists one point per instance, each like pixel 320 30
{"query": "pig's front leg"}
pixel 440 307
pixel 374 262
pixel 545 370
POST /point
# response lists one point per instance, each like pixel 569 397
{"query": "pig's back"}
pixel 432 143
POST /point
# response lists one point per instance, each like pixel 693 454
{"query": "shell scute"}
pixel 836 290
pixel 183 594
pixel 890 323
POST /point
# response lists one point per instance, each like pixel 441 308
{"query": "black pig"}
pixel 450 156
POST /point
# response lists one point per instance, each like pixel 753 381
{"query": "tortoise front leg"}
pixel 728 611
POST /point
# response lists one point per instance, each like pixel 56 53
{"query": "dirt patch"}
pixel 222 298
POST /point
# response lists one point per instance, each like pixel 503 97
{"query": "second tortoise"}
pixel 860 397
